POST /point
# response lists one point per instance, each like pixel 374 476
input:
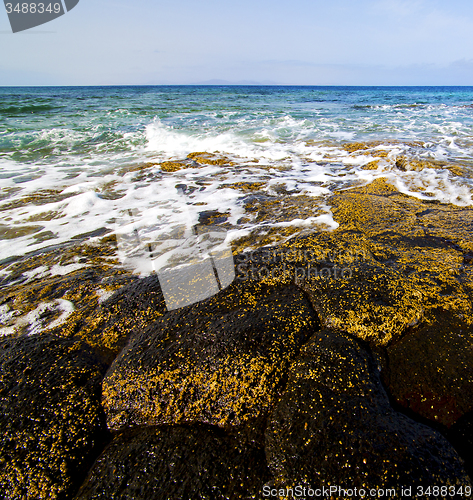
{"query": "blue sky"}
pixel 302 42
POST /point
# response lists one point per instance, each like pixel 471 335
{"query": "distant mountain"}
pixel 240 82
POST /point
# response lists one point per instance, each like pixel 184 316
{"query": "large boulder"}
pixel 52 425
pixel 372 302
pixel 410 290
pixel 221 361
pixel 177 462
pixel 334 426
pixel 430 372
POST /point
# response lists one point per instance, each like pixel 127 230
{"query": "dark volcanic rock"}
pixel 49 279
pixel 430 371
pixel 374 303
pixel 220 361
pixel 334 425
pixel 460 435
pixel 129 309
pixel 51 423
pixel 198 462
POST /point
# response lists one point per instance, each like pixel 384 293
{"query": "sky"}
pixel 298 42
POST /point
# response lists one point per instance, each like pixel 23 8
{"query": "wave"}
pixel 393 106
pixel 69 145
pixel 107 158
pixel 31 109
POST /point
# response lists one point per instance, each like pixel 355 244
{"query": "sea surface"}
pixel 77 160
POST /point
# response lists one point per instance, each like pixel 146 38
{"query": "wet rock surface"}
pixel 460 435
pixel 334 425
pixel 221 361
pixel 52 425
pixel 430 372
pixel 370 302
pixel 69 291
pixel 178 462
pixel 132 308
pixel 246 370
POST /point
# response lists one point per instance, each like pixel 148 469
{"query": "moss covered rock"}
pixel 334 426
pixel 393 263
pixel 52 425
pixel 177 462
pixel 430 372
pixel 374 303
pixel 221 361
pixel 130 309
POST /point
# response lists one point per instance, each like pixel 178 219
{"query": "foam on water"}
pixel 99 167
pixel 434 185
pixel 35 321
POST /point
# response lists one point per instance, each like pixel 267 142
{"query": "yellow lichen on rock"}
pixel 360 146
pixel 413 263
pixel 246 186
pixel 372 165
pixel 190 367
pixel 172 166
pixel 373 303
pixel 204 158
pixel 406 164
pixel 51 421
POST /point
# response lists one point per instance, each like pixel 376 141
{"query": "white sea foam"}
pixel 6 314
pixel 433 185
pixel 302 155
pixel 36 321
pixel 37 272
pixel 104 294
pixel 58 270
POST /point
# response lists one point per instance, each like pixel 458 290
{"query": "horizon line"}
pixel 224 85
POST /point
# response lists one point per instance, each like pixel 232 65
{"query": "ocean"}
pixel 261 161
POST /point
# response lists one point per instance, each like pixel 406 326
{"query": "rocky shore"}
pixel 340 358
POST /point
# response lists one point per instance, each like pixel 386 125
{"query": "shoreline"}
pixel 264 378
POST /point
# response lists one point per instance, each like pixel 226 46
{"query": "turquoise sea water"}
pixel 75 159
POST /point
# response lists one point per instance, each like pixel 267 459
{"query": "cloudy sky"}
pixel 301 42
